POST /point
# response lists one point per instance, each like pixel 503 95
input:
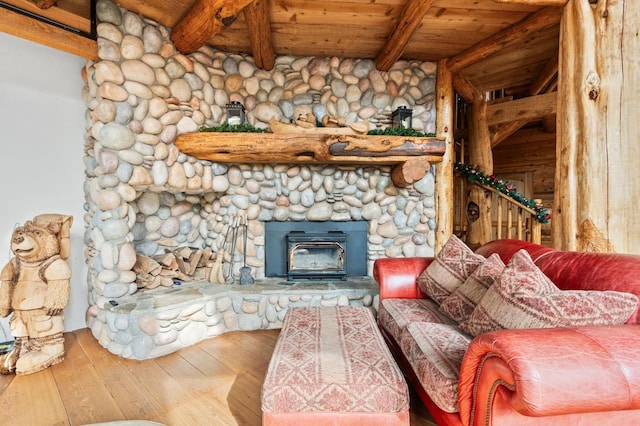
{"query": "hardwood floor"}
pixel 216 382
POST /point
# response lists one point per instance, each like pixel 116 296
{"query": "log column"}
pixel 444 169
pixel 597 190
pixel 480 155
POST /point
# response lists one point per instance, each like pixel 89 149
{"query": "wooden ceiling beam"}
pixel 544 82
pixel 205 20
pixel 75 14
pixel 547 75
pixel 40 32
pixel 408 23
pixel 509 36
pixel 502 132
pixel 466 89
pixel 531 108
pixel 44 4
pixel 256 15
pixel 558 3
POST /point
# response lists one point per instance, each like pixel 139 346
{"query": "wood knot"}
pixel 592 85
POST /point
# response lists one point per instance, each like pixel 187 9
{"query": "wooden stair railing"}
pixel 526 226
pixel 510 219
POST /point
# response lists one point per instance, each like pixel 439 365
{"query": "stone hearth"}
pixel 160 321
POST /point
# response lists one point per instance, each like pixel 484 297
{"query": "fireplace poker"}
pixel 245 271
pixel 232 251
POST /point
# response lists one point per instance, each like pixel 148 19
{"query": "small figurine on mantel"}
pixel 35 287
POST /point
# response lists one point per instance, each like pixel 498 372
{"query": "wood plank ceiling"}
pixel 508 45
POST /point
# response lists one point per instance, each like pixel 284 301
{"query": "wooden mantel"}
pixel 411 156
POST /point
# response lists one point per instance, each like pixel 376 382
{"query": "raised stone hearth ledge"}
pixel 161 321
pixel 412 155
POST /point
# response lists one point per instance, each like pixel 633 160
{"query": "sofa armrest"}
pixel 398 277
pixel 544 372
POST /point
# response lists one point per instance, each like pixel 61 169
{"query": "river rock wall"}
pixel 144 196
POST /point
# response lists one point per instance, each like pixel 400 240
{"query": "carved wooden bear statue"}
pixel 35 287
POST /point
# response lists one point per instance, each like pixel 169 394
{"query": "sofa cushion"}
pixel 461 303
pixel 435 352
pixel 523 297
pixel 450 268
pixel 395 314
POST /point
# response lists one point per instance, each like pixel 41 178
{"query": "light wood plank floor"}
pixel 216 382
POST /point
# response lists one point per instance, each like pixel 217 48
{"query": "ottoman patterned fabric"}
pixel 435 352
pixel 332 359
pixel 395 314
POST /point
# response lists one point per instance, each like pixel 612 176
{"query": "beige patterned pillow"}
pixel 523 297
pixel 450 268
pixel 461 303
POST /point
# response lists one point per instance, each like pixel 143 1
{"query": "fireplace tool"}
pixel 245 271
pixel 234 237
pixel 217 276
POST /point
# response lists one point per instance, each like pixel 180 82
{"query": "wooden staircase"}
pixel 510 219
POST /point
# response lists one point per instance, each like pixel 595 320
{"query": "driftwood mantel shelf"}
pixel 411 156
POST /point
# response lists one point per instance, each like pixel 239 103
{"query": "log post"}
pixel 444 170
pixel 597 191
pixel 480 155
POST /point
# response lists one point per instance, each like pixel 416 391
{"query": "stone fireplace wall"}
pixel 144 196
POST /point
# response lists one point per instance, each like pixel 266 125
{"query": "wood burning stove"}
pixel 306 250
pixel 316 255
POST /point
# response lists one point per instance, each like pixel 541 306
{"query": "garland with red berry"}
pixel 473 175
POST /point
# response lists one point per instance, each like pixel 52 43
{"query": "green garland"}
pixel 389 131
pixel 473 175
pixel 233 128
pixel 248 128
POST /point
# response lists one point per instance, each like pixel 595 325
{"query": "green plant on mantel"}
pixel 233 128
pixel 389 131
pixel 248 128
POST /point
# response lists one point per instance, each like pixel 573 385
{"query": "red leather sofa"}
pixel 554 376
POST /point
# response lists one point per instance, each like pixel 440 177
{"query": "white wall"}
pixel 41 152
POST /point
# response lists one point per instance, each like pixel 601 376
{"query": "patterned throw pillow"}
pixel 450 268
pixel 461 303
pixel 523 297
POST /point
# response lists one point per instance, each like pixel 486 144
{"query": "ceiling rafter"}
pixel 509 36
pixel 205 19
pixel 530 108
pixel 44 4
pixel 20 25
pixel 560 3
pixel 544 80
pixel 466 89
pixel 547 75
pixel 408 23
pixel 258 22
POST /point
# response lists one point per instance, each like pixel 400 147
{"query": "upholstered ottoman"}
pixel 331 366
